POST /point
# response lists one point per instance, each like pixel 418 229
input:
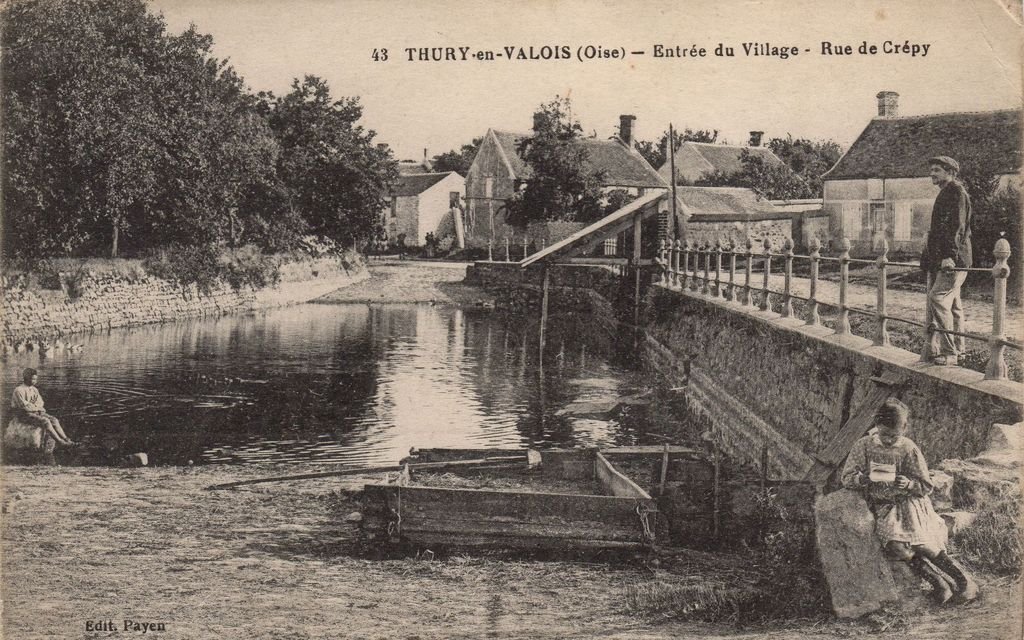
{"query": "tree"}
pixel 654 153
pixel 337 181
pixel 562 186
pixel 809 159
pixel 459 160
pixel 117 133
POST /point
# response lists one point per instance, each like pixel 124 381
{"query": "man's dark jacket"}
pixel 950 233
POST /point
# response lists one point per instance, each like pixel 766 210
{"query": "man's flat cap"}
pixel 945 161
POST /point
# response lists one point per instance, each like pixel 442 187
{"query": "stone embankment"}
pixel 104 300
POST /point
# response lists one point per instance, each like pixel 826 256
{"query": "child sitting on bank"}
pixel 892 474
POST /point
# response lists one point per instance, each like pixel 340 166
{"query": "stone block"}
pixel 859 577
pixel 942 496
pixel 958 521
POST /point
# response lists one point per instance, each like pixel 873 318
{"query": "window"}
pixel 611 246
pixel 904 221
pixel 394 207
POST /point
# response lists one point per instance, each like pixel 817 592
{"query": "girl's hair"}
pixel 892 414
pixel 27 374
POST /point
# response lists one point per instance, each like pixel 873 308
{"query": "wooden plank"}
pixel 512 505
pixel 856 426
pixel 616 483
pixel 654 450
pixel 591 530
pixel 442 454
pixel 518 542
pixel 568 464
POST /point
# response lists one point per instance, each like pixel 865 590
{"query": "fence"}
pixel 674 258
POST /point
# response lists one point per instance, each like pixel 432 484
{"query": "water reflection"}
pixel 341 383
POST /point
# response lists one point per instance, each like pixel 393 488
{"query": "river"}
pixel 344 383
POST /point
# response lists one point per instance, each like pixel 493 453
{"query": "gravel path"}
pixel 404 281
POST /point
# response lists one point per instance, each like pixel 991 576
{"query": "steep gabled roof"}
pixel 724 157
pixel 415 184
pixel 722 200
pixel 899 147
pixel 623 167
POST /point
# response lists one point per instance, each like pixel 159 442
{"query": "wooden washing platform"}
pixel 515 498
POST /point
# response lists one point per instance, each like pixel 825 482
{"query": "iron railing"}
pixel 679 273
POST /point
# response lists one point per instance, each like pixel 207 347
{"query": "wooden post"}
pixel 787 291
pixel 637 249
pixel 881 319
pixel 490 252
pixel 813 318
pixel 766 304
pixel 843 323
pixel 926 349
pixel 732 270
pixel 748 290
pixel 508 249
pixel 524 247
pixel 664 471
pixel 764 466
pixel 996 369
pixel 543 313
pixel 715 491
pixel 677 248
pixel 718 269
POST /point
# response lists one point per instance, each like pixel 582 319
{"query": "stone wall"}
pixel 707 230
pixel 762 380
pixel 765 380
pixel 107 300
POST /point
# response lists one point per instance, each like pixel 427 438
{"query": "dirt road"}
pixel 269 561
pixel 398 281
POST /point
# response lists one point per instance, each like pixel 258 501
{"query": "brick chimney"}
pixel 888 104
pixel 626 127
pixel 755 138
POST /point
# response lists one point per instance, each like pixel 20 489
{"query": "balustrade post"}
pixel 813 318
pixel 881 312
pixel 843 323
pixel 490 253
pixel 732 270
pixel 996 369
pixel 663 258
pixel 787 292
pixel 748 290
pixel 543 244
pixel 508 249
pixel 695 278
pixel 706 289
pixel 766 304
pixel 719 292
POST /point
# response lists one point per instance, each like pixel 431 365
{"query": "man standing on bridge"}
pixel 948 248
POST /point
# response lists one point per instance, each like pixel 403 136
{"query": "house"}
pixel 499 170
pixel 411 167
pixel 423 203
pixel 880 189
pixel 696 160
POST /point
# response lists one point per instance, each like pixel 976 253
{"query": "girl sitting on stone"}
pixel 892 474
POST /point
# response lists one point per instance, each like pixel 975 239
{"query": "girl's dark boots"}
pixel 966 588
pixel 941 591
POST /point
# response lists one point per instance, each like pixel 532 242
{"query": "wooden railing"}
pixel 683 262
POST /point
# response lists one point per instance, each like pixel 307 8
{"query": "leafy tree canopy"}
pixel 561 184
pixel 458 160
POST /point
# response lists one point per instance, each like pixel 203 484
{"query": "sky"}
pixel 973 62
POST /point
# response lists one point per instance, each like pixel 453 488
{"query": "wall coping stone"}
pixel 975 380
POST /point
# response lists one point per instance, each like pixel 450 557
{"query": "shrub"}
pixel 994 542
pixel 248 266
pixel 186 265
